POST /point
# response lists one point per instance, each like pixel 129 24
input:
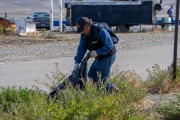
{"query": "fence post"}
pixel 176 41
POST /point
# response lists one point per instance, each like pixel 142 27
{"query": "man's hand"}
pixel 76 66
pixel 93 54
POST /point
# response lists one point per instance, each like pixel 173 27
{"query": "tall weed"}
pixel 159 81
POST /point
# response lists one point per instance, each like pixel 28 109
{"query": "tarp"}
pixel 24 27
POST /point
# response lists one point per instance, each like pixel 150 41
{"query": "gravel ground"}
pixel 14 48
pixel 28 48
pixel 136 51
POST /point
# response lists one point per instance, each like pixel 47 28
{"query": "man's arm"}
pixel 81 50
pixel 106 39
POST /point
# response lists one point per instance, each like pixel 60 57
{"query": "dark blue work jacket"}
pixel 99 40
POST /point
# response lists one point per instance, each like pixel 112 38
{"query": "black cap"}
pixel 80 23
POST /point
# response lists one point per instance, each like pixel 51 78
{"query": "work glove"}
pixel 76 66
pixel 93 54
pixel 110 88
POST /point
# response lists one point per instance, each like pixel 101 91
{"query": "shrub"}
pixel 94 104
pixel 9 31
pixel 11 95
pixel 73 104
pixel 1 29
pixel 171 110
pixel 178 70
pixel 21 103
pixel 159 81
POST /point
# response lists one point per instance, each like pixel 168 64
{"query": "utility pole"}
pixel 60 15
pixel 176 41
pixel 51 15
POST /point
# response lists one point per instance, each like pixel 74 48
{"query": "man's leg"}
pixel 104 67
pixel 92 73
pixel 172 20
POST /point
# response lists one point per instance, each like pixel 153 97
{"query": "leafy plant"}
pixel 1 29
pixel 171 110
pixel 74 104
pixel 159 81
pixel 11 95
pixel 9 31
pixel 178 72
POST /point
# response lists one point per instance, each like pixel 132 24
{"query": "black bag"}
pixel 168 11
pixel 75 79
pixel 114 38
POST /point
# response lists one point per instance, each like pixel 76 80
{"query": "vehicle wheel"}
pixel 122 28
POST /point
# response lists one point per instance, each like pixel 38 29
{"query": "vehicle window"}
pixel 41 15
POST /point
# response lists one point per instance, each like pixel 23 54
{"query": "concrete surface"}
pixel 24 73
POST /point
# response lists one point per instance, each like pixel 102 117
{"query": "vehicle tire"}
pixel 122 28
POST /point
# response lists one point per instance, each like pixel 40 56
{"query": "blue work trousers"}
pixel 172 20
pixel 101 68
